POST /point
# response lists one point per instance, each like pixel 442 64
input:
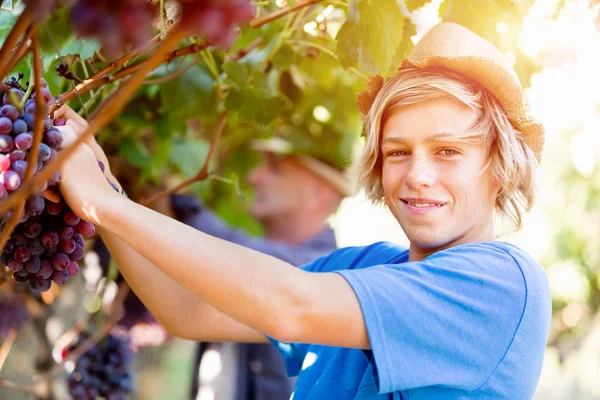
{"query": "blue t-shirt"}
pixel 469 322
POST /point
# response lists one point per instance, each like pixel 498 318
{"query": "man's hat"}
pixel 325 171
pixel 454 47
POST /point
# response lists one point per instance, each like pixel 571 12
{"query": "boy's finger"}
pixel 51 195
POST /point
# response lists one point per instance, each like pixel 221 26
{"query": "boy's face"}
pixel 437 189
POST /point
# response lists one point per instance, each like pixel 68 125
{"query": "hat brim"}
pixel 337 179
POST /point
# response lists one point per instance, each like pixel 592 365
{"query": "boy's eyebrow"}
pixel 438 137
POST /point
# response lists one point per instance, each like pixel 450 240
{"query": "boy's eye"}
pixel 448 152
pixel 397 153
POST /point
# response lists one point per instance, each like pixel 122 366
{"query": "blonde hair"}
pixel 511 161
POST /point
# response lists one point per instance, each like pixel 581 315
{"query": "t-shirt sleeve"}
pixel 447 320
pixel 293 355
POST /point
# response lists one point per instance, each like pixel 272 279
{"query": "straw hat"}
pixel 336 178
pixel 454 47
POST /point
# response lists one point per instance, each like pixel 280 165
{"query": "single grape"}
pixel 54 208
pixel 23 141
pixel 17 155
pixel 20 278
pixel 60 121
pixel 78 239
pixel 87 229
pixel 77 254
pixel 29 119
pixel 4 163
pixel 46 270
pixel 49 239
pixel 46 94
pixel 32 229
pixel 30 107
pixel 35 205
pixel 54 179
pixel 20 167
pixel 70 218
pixel 12 181
pixel 9 111
pixel 73 268
pixel 53 138
pixel 60 277
pixel 6 144
pixel 5 125
pixel 60 261
pixel 65 232
pixel 44 152
pixel 66 246
pixel 13 265
pixel 13 97
pixel 21 254
pixel 47 124
pixel 41 284
pixel 33 265
pixel 19 126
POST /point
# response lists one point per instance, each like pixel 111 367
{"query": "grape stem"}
pixel 22 24
pixel 112 107
pixel 260 21
pixel 201 175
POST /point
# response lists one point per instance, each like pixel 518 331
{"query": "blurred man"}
pixel 294 196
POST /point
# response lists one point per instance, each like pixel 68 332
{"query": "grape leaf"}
pixel 405 46
pixel 188 95
pixel 413 5
pixel 85 48
pixel 254 105
pixel 284 57
pixel 188 156
pixel 238 72
pixel 360 40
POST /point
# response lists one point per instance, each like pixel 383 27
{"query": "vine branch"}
pixel 97 80
pixel 38 125
pixel 22 24
pixel 201 175
pixel 260 21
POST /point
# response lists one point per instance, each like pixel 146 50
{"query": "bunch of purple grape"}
pixel 48 241
pixel 115 23
pixel 13 313
pixel 103 371
pixel 216 20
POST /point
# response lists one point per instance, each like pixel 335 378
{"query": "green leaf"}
pixel 370 36
pixel 188 156
pixel 189 95
pixel 413 5
pixel 405 46
pixel 238 72
pixel 134 152
pixel 85 48
pixel 254 105
pixel 284 57
pixel 162 150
